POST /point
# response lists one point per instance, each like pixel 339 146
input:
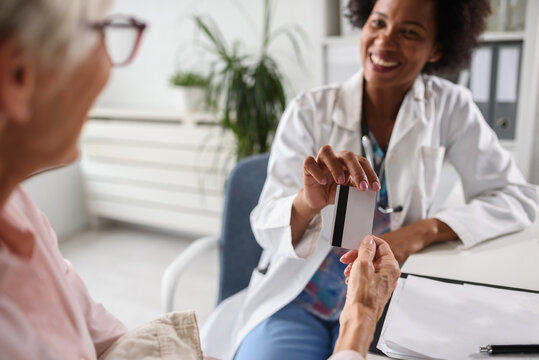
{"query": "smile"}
pixel 386 64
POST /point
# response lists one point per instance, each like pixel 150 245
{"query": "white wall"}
pixel 527 129
pixel 144 83
pixel 171 37
pixel 535 112
pixel 59 194
pixel 535 159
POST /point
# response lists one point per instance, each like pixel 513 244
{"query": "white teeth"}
pixel 378 61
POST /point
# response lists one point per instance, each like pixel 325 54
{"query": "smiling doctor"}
pixel 407 123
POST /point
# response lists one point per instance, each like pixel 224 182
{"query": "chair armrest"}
pixel 177 268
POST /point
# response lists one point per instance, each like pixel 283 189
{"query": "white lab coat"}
pixel 437 121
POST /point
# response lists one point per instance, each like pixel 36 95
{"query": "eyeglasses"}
pixel 122 37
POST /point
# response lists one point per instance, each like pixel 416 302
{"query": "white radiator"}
pixel 160 170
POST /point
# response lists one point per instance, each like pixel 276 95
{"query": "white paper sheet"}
pixel 390 349
pixel 432 319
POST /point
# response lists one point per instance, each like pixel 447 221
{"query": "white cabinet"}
pixel 159 170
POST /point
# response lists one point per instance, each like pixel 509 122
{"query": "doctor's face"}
pixel 397 40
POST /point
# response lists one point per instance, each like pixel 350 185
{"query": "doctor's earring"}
pixel 434 58
pixel 436 54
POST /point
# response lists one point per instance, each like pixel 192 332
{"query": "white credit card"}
pixel 353 216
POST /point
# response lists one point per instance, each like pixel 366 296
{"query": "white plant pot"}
pixel 190 99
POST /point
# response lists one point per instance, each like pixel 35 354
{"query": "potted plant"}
pixel 191 91
pixel 246 92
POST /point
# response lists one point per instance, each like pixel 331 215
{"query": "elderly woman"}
pixel 410 122
pixel 53 64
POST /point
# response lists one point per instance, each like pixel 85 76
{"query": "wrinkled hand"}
pixel 321 176
pixel 372 275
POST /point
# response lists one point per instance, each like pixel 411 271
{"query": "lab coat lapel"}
pixel 348 107
pixel 347 114
pixel 348 103
pixel 400 156
pixel 410 113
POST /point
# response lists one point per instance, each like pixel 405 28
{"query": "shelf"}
pixel 502 36
pixel 155 116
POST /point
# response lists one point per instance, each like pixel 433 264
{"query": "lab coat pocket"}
pixel 432 160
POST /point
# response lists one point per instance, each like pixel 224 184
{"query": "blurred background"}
pixel 154 158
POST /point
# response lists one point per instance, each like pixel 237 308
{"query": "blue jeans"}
pixel 289 334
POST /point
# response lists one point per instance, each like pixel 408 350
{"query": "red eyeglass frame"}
pixel 129 22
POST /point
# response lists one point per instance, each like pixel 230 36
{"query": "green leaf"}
pixel 212 32
pixel 188 78
pixel 247 91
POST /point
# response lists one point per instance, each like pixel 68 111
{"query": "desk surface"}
pixel 510 260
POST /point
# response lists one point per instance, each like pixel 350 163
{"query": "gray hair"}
pixel 56 31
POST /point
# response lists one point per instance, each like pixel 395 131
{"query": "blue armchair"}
pixel 238 250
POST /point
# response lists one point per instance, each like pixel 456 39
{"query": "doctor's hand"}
pixel 416 236
pixel 322 175
pixel 372 275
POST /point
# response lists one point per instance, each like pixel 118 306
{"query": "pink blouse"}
pixel 45 309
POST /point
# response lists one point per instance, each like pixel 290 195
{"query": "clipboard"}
pixel 374 350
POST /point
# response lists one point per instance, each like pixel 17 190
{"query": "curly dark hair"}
pixel 459 24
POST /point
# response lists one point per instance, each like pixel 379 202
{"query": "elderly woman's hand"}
pixel 372 275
